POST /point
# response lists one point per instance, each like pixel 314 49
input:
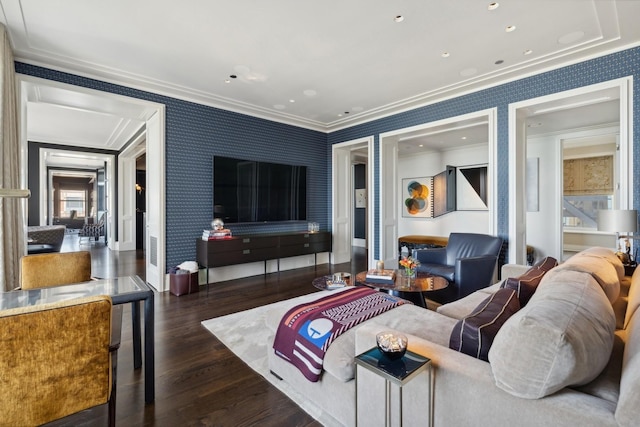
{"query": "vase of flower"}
pixel 408 268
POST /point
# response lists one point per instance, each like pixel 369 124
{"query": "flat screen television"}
pixel 253 191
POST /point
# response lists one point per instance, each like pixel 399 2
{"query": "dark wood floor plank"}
pixel 199 382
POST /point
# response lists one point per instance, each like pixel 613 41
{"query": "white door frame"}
pixel 518 154
pixel 389 211
pixel 127 193
pixel 342 195
pixel 157 144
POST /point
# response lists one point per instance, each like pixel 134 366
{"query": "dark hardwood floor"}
pixel 199 382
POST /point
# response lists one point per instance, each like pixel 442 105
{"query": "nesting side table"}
pixel 398 372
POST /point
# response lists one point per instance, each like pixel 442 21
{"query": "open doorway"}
pixel 465 143
pixel 581 125
pixel 345 198
pixel 58 113
pixel 141 200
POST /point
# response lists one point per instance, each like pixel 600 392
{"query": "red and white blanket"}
pixel 306 331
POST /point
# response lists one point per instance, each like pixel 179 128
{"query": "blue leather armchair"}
pixel 468 262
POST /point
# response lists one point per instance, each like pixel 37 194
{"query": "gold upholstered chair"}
pixel 57 359
pixel 53 269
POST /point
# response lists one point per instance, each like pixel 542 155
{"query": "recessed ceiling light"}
pixel 227 80
pixel 445 54
pixel 510 28
pixel 292 101
pixel 527 52
pixel 309 92
pixel 464 137
pixel 420 145
pixel 398 18
pixel 339 115
pixel 493 5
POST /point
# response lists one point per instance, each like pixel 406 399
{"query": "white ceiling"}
pixel 321 65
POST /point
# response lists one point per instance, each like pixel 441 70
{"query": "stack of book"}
pixel 381 276
pixel 223 233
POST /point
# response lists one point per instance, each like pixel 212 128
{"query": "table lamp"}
pixel 619 221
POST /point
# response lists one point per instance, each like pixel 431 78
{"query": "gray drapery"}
pixel 11 216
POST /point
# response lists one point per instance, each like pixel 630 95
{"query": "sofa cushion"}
pixel 474 334
pixel 600 267
pixel 627 409
pixel 526 284
pixel 608 255
pixel 464 306
pixel 562 337
pixel 633 301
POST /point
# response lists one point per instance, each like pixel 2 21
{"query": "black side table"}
pixel 398 372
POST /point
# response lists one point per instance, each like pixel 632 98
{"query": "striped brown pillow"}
pixel 526 284
pixel 474 334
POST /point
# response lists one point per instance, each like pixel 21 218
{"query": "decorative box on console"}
pixel 183 282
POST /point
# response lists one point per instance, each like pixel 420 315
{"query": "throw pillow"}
pixel 563 337
pixel 526 284
pixel 474 334
pixel 601 270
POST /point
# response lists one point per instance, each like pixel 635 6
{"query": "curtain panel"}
pixel 11 217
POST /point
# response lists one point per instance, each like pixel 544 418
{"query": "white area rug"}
pixel 245 333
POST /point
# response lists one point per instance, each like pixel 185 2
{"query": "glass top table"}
pixel 412 289
pixel 122 290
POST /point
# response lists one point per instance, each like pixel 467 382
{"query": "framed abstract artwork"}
pixel 417 197
pixel 472 188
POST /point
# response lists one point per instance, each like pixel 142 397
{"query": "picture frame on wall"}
pixel 417 197
pixel 361 197
pixel 472 188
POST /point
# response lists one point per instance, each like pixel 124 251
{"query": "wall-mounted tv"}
pixel 252 191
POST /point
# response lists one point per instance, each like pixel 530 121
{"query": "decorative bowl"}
pixel 391 344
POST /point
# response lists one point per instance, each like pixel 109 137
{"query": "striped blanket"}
pixel 306 331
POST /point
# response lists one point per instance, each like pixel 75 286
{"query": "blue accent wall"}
pixel 194 134
pixel 605 68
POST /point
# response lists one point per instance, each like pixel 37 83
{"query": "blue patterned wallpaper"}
pixel 609 67
pixel 194 134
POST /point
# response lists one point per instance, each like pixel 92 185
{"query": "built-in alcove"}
pixel 456 157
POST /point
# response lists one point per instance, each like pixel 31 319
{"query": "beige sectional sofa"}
pixel 570 356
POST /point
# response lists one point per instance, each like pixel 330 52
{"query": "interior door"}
pixel 341 182
pixel 155 238
pixel 388 245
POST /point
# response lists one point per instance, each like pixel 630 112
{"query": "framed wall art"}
pixel 417 197
pixel 472 188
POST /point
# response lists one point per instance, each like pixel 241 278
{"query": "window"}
pixel 588 188
pixel 72 203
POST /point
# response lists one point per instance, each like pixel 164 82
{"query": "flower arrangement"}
pixel 409 264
